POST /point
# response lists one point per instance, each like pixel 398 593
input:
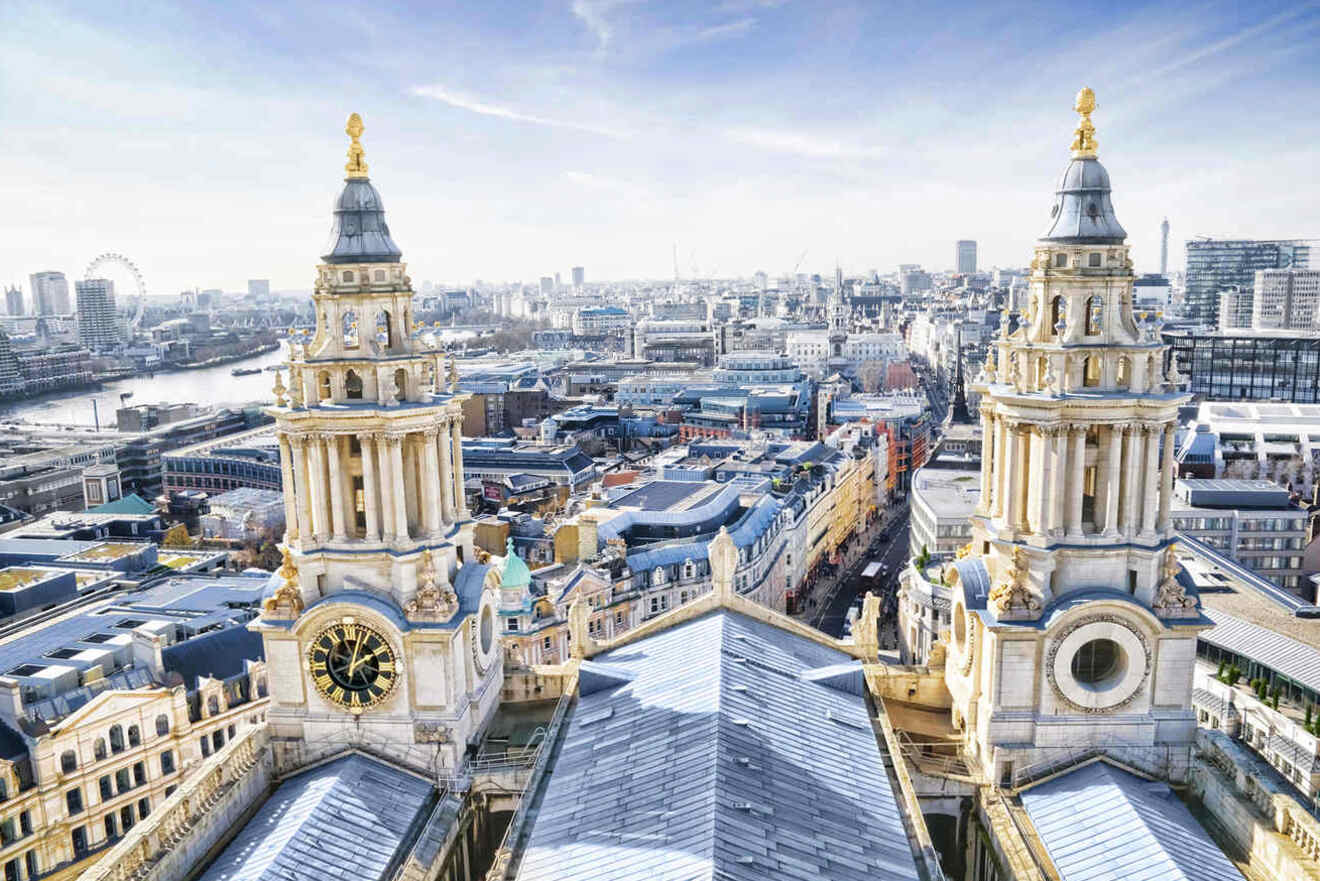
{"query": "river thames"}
pixel 214 386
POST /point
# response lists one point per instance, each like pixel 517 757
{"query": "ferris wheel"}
pixel 116 259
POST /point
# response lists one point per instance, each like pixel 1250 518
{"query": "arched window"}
pixel 350 329
pixel 401 384
pixel 212 705
pixel 162 724
pixel 352 386
pixel 134 736
pixel 1056 315
pixel 348 275
pixel 68 761
pixel 116 739
pixel 384 329
pixel 1091 372
pixel 98 749
pixel 323 387
pixel 261 687
pixel 1094 315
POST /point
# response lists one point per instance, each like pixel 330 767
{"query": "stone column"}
pixel 1007 487
pixel 336 488
pixel 370 488
pixel 395 444
pixel 1077 479
pixel 1112 479
pixel 303 494
pixel 460 502
pixel 388 482
pixel 443 453
pixel 1059 458
pixel 316 482
pixel 987 461
pixel 290 498
pixel 1132 481
pixel 430 484
pixel 1046 468
pixel 1151 480
pixel 1166 480
pixel 1003 456
pixel 1023 485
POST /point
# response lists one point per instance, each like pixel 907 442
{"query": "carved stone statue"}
pixel 433 601
pixel 278 390
pixel 1171 599
pixel 286 602
pixel 1013 594
pixel 866 629
pixel 723 564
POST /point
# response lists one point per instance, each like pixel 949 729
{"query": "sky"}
pixel 511 140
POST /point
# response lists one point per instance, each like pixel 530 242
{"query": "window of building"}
pixel 1060 260
pixel 134 736
pixel 111 826
pixel 162 725
pixel 167 762
pixel 116 739
pixel 98 749
pixel 107 791
pixel 1097 662
pixel 79 840
pixel 511 625
pixel 25 822
pixel 123 782
pixel 212 705
pixel 126 818
pixel 206 745
pixel 139 773
pixel 144 808
pixel 1091 371
pixel 73 800
pixel 1093 260
pixel 30 858
pixel 217 739
pixel 68 761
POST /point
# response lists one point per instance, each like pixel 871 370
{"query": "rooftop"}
pixel 720 747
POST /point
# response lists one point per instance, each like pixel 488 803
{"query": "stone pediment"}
pixel 109 705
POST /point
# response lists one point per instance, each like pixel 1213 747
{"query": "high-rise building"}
pixel 1286 300
pixel 1215 265
pixel 13 300
pixel 259 287
pixel 966 256
pixel 547 285
pixel 579 276
pixel 1164 248
pixel 97 326
pixel 50 293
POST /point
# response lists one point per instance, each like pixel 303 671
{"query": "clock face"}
pixel 352 665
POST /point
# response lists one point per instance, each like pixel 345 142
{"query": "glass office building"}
pixel 1248 367
pixel 1215 265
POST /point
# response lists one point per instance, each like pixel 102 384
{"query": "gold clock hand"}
pixel 353 661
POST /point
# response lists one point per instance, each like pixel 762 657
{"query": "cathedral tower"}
pixel 381 626
pixel 1071 625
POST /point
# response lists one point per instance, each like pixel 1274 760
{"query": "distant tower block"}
pixel 966 256
pixel 1164 248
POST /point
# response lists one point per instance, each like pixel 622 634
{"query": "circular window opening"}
pixel 487 629
pixel 1097 662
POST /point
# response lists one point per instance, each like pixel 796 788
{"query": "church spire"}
pixel 958 412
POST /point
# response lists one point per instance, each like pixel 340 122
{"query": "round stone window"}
pixel 487 629
pixel 1097 662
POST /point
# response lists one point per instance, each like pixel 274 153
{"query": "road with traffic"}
pixel 893 554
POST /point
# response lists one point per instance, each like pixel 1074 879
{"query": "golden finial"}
pixel 1084 143
pixel 356 167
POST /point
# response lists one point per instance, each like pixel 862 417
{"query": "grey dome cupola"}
pixel 359 233
pixel 1083 213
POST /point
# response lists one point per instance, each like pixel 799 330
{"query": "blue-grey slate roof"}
pixel 719 754
pixel 1099 823
pixel 350 818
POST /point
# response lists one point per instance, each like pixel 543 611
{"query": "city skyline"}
pixel 521 142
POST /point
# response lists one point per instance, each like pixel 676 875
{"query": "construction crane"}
pixel 801 257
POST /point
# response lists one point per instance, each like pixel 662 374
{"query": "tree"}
pixel 177 537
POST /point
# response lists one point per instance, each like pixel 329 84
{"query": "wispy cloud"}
pixel 1232 40
pixel 802 144
pixel 594 14
pixel 485 108
pixel 733 28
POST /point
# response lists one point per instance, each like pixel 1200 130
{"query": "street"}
pixel 833 610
